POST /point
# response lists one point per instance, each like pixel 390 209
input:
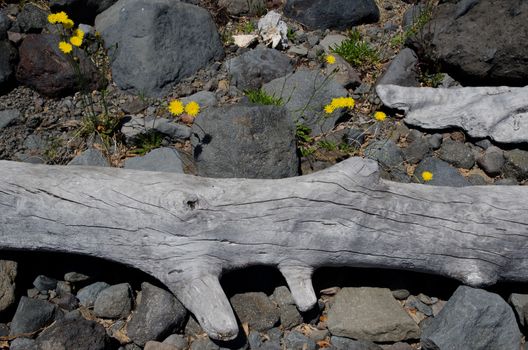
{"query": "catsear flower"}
pixel 427 176
pixel 62 18
pixel 65 47
pixel 330 59
pixel 192 108
pixel 380 116
pixel 76 41
pixel 176 107
pixel 339 102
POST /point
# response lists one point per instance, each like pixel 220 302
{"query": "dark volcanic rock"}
pixel 46 69
pixel 159 42
pixel 72 334
pixel 243 7
pixel 158 314
pixel 403 70
pixel 261 65
pixel 32 19
pixel 473 319
pixel 114 301
pixel 339 14
pixel 32 315
pixel 477 42
pixel 8 58
pixel 256 309
pixel 245 141
pixel 443 173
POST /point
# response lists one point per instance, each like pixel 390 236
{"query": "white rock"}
pixel 244 40
pixel 273 30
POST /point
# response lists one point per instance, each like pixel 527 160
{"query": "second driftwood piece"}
pixel 500 113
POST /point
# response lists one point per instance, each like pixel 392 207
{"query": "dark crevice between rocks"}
pixel 55 265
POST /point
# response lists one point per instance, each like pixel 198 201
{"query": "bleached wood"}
pixel 187 230
pixel 500 113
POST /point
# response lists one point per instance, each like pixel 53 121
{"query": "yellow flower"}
pixel 79 33
pixel 61 17
pixel 68 24
pixel 329 109
pixel 339 102
pixel 380 116
pixel 65 47
pixel 176 107
pixel 192 109
pixel 427 176
pixel 76 41
pixel 52 18
pixel 330 59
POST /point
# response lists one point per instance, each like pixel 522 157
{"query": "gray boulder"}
pixel 462 42
pixel 114 301
pixel 32 19
pixel 516 164
pixel 81 11
pixel 45 283
pixel 133 126
pixel 159 42
pixel 520 306
pixel 256 67
pixel 412 15
pixel 305 93
pixel 32 315
pixel 7 116
pixel 245 141
pixel 203 98
pixel 8 273
pixel 90 157
pixel 343 73
pixel 255 309
pixel 8 57
pixel 243 7
pixel 386 152
pixel 417 150
pixel 492 161
pixel 457 154
pixel 473 319
pixel 370 314
pixel 22 344
pixel 403 70
pixel 158 314
pixel 390 158
pixel 298 341
pixel 76 333
pixel 161 159
pixel 88 294
pixel 339 14
pixel 443 173
pixel 341 343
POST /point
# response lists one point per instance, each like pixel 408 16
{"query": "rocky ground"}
pixel 221 61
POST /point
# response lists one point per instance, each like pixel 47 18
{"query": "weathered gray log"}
pixel 187 230
pixel 500 113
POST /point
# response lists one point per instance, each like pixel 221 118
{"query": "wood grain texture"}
pixel 500 113
pixel 187 230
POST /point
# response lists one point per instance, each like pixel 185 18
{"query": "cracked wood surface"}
pixel 187 230
pixel 497 112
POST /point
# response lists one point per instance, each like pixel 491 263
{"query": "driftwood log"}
pixel 187 230
pixel 500 113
